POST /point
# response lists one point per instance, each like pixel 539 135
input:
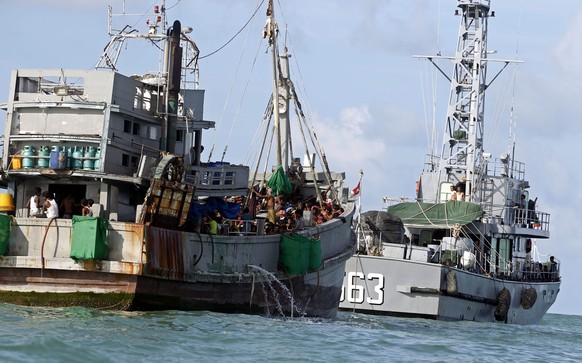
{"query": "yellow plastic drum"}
pixel 16 163
pixel 6 203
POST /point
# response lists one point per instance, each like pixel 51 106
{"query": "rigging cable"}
pixel 267 120
pixel 230 91
pixel 264 122
pixel 433 139
pixel 513 120
pixel 237 33
pixel 424 102
pixel 241 100
pixel 173 6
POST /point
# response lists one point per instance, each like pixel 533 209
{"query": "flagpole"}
pixel 359 228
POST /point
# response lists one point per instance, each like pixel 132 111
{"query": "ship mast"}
pixel 281 92
pixel 462 159
pixel 462 152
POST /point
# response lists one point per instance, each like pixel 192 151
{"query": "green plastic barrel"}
pixel 295 252
pixel 449 257
pixel 4 233
pixel 89 239
pixel 315 254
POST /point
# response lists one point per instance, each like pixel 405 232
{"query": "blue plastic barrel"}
pixel 58 160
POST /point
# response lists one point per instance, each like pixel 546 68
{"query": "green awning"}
pixel 438 214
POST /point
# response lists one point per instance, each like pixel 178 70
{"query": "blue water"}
pixel 87 335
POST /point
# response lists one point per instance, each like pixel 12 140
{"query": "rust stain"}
pixel 164 253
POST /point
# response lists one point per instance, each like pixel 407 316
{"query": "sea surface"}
pixel 87 335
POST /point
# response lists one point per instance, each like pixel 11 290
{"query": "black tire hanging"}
pixel 503 303
pixel 528 298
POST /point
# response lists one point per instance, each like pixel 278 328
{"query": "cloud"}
pixel 568 50
pixel 347 136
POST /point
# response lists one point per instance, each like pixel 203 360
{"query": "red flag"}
pixel 356 190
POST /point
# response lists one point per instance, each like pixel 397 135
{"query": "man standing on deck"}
pixel 68 206
pixel 33 203
pixel 49 206
pixel 270 201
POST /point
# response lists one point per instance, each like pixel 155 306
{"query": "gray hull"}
pixel 150 268
pixel 397 287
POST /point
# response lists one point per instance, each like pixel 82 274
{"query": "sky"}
pixel 370 100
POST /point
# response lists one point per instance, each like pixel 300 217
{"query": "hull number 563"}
pixel 358 288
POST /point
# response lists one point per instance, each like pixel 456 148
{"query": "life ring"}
pixel 417 186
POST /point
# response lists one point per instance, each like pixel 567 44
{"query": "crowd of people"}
pixel 44 205
pixel 279 215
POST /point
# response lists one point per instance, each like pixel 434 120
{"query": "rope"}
pixel 201 249
pixel 241 100
pixel 236 34
pixel 43 240
pixel 267 117
pixel 311 164
pixel 316 146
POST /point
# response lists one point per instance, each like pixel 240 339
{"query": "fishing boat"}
pixel 133 145
pixel 466 246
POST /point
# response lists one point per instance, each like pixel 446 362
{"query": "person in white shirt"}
pixel 50 207
pixel 34 204
pixel 458 195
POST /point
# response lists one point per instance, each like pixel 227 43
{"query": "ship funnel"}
pixel 174 84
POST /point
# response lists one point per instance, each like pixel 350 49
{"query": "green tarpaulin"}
pixel 439 214
pixel 279 182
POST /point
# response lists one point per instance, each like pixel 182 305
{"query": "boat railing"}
pixel 503 167
pixel 516 217
pixel 246 227
pixel 472 259
pixel 506 168
pixel 518 269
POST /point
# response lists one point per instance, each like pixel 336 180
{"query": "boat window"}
pixel 154 133
pixel 124 159
pixel 138 100
pixel 136 127
pixel 134 163
pixel 229 177
pixel 425 237
pixel 127 126
pixel 205 178
pixel 414 239
pixel 216 178
pixel 28 85
pixel 504 254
